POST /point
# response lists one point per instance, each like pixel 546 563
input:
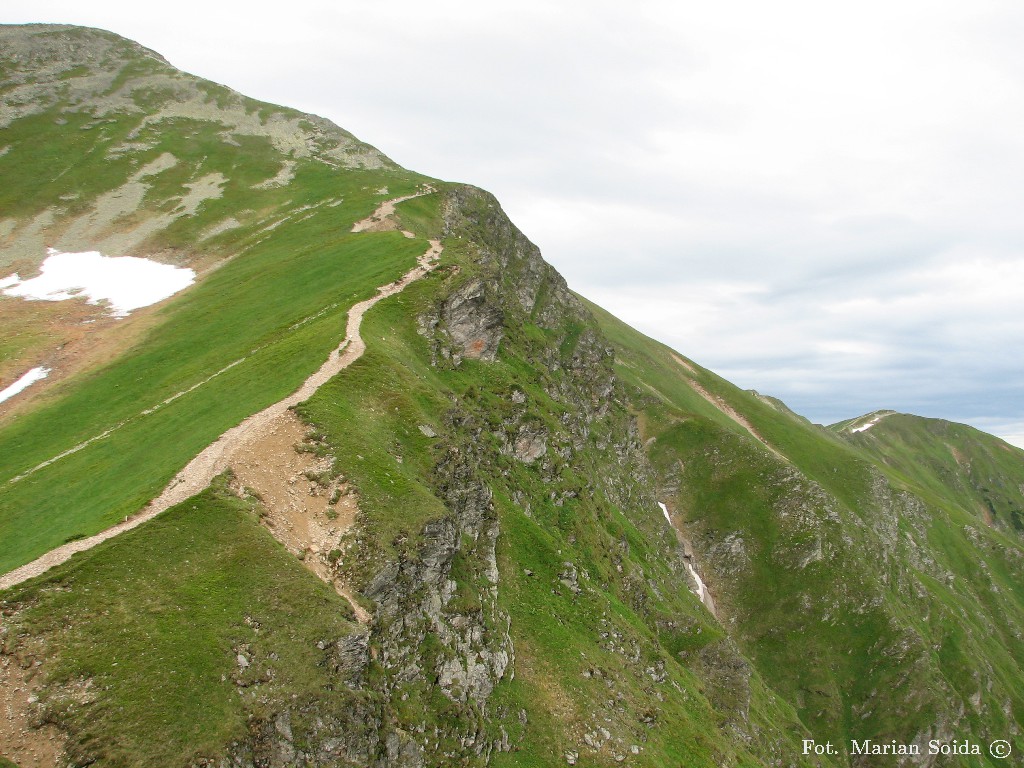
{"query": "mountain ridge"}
pixel 515 497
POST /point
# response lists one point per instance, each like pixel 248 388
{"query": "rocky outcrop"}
pixel 352 658
pixel 472 323
pixel 726 675
pixel 509 259
pixel 438 627
pixel 437 618
pixel 309 735
pixel 511 284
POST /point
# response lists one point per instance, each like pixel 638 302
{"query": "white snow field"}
pixel 125 283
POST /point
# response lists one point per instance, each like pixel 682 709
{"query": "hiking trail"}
pixel 217 457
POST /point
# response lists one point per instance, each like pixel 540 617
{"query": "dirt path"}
pixel 382 219
pixel 728 410
pixel 213 460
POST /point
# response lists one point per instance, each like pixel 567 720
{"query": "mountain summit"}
pixel 374 487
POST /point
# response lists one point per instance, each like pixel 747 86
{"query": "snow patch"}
pixel 24 382
pixel 870 424
pixel 124 282
pixel 702 590
pixel 664 511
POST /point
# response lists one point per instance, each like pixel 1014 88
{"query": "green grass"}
pixel 249 304
pixel 48 160
pixel 944 462
pixel 913 599
pixel 140 637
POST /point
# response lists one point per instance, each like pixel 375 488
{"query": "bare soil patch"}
pixel 382 220
pixel 22 739
pixel 683 363
pixel 67 337
pixel 306 509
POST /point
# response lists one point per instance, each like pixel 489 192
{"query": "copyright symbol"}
pixel 1000 749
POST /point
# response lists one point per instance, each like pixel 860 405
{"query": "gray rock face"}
pixel 513 285
pixel 416 594
pixel 472 323
pixel 402 751
pixel 435 629
pixel 569 577
pixel 530 444
pixel 320 733
pixel 353 657
pixel 513 261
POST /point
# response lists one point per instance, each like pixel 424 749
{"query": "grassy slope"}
pixel 169 601
pixel 371 414
pixel 308 266
pixel 139 637
pixel 729 486
pixel 172 598
pixel 199 571
pixel 89 490
pixel 950 462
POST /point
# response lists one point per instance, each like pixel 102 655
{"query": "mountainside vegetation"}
pixel 870 607
pixel 947 462
pixel 512 532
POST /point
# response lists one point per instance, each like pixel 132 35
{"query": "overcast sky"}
pixel 818 200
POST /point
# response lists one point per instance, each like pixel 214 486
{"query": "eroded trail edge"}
pixel 217 457
pixel 304 503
